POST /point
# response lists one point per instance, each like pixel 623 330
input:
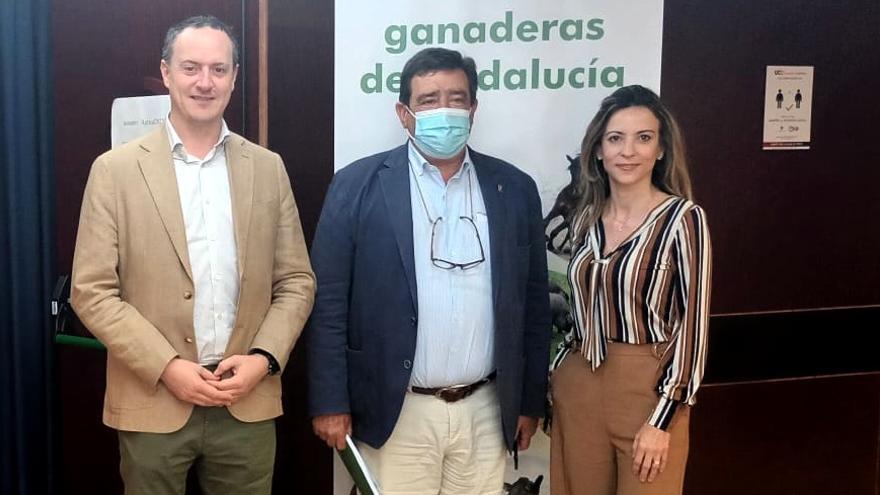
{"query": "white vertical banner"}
pixel 543 69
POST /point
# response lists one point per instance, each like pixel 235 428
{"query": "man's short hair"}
pixel 432 60
pixel 195 22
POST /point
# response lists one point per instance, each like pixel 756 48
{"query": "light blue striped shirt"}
pixel 455 344
pixel 206 204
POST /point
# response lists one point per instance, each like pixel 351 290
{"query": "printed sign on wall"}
pixel 131 118
pixel 788 107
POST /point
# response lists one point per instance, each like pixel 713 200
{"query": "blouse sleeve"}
pixel 685 359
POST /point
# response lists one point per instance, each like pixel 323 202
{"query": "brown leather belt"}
pixel 453 394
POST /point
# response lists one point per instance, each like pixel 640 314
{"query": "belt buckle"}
pixel 452 394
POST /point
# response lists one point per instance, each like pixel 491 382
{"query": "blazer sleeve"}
pixel 96 290
pixel 333 252
pixel 293 283
pixel 537 314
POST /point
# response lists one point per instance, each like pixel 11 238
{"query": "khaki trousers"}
pixel 596 416
pixel 229 456
pixel 442 448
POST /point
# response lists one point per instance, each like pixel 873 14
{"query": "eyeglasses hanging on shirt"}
pixel 439 260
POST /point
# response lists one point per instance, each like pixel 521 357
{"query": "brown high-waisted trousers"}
pixel 596 416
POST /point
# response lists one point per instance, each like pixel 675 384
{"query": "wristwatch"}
pixel 273 367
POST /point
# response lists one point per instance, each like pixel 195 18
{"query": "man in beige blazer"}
pixel 190 266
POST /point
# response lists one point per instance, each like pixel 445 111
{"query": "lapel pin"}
pixel 500 188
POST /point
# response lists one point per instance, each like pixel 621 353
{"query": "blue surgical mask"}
pixel 441 132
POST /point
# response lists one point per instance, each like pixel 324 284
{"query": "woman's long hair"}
pixel 670 173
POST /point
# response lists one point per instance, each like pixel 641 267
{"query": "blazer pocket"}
pixel 126 391
pixel 130 396
pixel 269 387
pixel 124 399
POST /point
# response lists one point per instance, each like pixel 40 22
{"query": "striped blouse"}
pixel 652 289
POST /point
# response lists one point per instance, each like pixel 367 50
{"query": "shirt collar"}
pixel 420 165
pixel 177 143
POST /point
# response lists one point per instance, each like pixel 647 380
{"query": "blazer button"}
pixel 187 294
pixel 407 364
pixel 413 321
pixel 188 340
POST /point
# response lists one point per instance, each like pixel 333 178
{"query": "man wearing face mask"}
pixel 428 342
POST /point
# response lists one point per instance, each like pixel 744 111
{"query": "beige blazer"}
pixel 133 285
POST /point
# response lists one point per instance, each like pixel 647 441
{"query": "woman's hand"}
pixel 650 449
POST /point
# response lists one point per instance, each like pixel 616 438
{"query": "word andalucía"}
pixel 533 77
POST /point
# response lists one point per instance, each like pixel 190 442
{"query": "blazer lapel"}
pixel 240 167
pixel 158 171
pixel 492 187
pixel 394 179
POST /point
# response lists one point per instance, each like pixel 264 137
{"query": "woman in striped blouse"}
pixel 640 280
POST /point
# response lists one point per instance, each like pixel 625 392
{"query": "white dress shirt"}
pixel 455 343
pixel 206 204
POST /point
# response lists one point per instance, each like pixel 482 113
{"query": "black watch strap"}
pixel 274 367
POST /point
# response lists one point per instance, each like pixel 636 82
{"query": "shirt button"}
pixel 407 364
pixel 188 340
pixel 187 294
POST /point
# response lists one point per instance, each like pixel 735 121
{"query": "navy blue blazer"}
pixel 361 337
